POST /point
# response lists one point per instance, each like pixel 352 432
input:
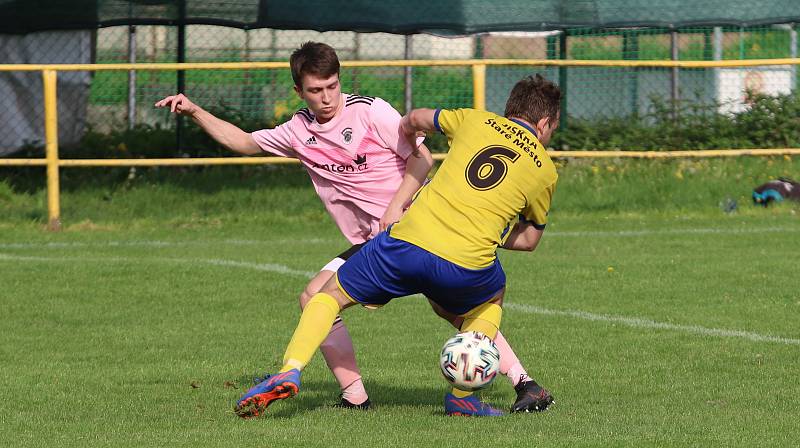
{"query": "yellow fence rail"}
pixel 53 163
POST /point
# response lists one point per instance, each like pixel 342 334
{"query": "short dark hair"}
pixel 534 98
pixel 313 58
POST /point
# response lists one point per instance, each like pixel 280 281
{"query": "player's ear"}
pixel 299 91
pixel 541 125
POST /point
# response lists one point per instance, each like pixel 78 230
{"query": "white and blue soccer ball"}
pixel 469 361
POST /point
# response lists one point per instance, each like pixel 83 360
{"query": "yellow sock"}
pixel 461 393
pixel 483 319
pixel 315 324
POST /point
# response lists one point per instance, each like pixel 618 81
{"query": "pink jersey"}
pixel 356 160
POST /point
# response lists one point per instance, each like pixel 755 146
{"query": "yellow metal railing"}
pixel 51 148
pixel 53 162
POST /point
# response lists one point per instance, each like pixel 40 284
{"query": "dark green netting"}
pixel 407 16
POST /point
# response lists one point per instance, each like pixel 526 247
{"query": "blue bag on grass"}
pixel 776 190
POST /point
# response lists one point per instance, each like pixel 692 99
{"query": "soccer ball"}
pixel 469 361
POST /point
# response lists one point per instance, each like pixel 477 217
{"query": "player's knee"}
pixel 305 296
pixel 457 322
pixel 454 319
pixel 439 310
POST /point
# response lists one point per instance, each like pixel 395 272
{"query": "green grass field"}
pixel 654 317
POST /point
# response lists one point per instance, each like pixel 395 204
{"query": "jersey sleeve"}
pixel 386 122
pixel 277 141
pixel 535 212
pixel 447 121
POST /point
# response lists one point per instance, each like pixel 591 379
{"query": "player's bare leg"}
pixel 338 351
pixel 314 325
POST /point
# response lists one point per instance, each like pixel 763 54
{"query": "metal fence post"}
pixel 562 77
pixel 356 71
pixel 479 86
pixel 49 78
pixel 131 77
pixel 630 51
pixel 793 54
pixel 675 83
pixel 741 42
pixel 181 80
pixel 408 76
pixel 717 56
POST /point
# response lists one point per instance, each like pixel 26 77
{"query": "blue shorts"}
pixel 387 267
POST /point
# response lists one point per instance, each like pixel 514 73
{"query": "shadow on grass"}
pixel 322 394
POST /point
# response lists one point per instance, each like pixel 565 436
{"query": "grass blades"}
pixel 653 324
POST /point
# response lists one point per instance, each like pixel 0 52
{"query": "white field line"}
pixel 637 322
pixel 701 231
pixel 158 243
pixel 634 322
pixel 268 267
pixel 343 243
pixel 277 268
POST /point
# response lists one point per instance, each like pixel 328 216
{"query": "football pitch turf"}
pixel 650 330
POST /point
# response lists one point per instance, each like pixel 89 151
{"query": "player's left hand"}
pixel 390 216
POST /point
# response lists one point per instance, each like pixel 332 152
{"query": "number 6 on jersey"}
pixel 489 167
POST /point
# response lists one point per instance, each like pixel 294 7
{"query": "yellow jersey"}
pixel 495 173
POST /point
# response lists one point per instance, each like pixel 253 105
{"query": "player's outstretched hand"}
pixel 178 104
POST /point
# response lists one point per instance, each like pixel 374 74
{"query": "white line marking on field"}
pixel 29 258
pixel 278 268
pixel 646 323
pixel 711 231
pixel 157 243
pixel 341 242
pixel 634 322
pixel 285 241
pixel 268 267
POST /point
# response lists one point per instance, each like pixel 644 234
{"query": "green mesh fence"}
pixel 592 91
pixel 618 92
pixel 268 94
pixel 117 99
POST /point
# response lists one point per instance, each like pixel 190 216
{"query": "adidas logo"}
pixel 311 141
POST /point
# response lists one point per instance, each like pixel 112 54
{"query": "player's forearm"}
pixel 421 120
pixel 226 134
pixel 418 165
pixel 523 237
